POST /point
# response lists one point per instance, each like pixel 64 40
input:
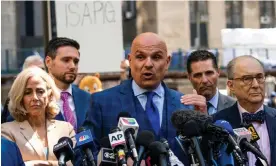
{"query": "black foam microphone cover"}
pixel 157 150
pixel 105 143
pixel 145 138
pixel 179 118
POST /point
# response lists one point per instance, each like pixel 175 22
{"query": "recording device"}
pixel 158 154
pixel 63 150
pixel 130 128
pixel 174 161
pixel 118 144
pixel 243 137
pixel 85 141
pixel 228 128
pixel 106 156
pixel 143 140
pixel 191 124
pixel 254 135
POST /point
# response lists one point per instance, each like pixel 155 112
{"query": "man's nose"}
pixel 255 83
pixel 72 65
pixel 204 78
pixel 148 62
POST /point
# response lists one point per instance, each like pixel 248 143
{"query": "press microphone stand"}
pixel 192 148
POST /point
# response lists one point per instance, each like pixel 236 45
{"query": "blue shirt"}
pixel 158 99
pixel 214 101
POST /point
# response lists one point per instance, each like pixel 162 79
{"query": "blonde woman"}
pixel 32 105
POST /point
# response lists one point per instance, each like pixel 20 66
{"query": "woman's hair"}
pixel 16 94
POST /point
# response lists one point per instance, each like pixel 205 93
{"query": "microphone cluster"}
pixel 226 146
pixel 124 144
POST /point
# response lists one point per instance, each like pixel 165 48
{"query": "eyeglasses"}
pixel 248 79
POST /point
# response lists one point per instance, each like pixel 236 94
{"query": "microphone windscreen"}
pixel 81 129
pixel 179 118
pixel 123 114
pixel 225 125
pixel 105 143
pixel 156 148
pixel 66 138
pixel 145 138
pixel 191 129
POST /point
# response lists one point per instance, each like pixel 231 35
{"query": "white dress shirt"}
pixel 263 142
pixel 158 99
pixel 70 100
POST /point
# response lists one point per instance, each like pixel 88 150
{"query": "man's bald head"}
pixel 148 39
pixel 148 60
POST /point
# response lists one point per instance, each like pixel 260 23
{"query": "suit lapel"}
pixel 221 102
pixel 126 98
pixel 233 116
pixel 78 105
pixel 270 119
pixel 170 102
pixel 51 126
pixel 32 138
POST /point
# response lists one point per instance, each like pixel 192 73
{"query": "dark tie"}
pixel 251 117
pixel 152 112
pixel 209 105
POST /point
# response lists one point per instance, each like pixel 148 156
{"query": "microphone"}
pixel 106 156
pixel 254 135
pixel 85 142
pixel 143 140
pixel 191 124
pixel 243 138
pixel 158 153
pixel 118 144
pixel 228 128
pixel 130 128
pixel 174 161
pixel 63 150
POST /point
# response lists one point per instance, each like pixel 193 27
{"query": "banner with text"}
pixel 97 26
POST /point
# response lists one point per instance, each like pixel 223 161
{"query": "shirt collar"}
pixel 214 99
pixel 139 91
pixel 242 110
pixel 69 90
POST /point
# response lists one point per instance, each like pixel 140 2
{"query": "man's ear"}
pixel 230 85
pixel 48 62
pixel 168 61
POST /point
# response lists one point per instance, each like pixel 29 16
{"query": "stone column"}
pixel 251 14
pixel 173 24
pixel 9 34
pixel 216 22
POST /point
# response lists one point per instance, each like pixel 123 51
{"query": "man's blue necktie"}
pixel 152 112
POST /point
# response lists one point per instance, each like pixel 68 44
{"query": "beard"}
pixel 64 79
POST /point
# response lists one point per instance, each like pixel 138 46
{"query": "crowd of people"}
pixel 44 105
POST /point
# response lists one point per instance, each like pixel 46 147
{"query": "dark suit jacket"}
pixel 106 105
pixel 10 153
pixel 225 102
pixel 232 115
pixel 81 100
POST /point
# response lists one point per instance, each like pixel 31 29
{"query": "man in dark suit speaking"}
pixel 246 79
pixel 145 97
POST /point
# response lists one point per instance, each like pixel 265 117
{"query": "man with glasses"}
pixel 246 79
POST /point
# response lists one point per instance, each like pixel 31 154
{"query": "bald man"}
pixel 246 79
pixel 145 97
